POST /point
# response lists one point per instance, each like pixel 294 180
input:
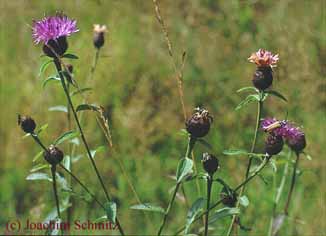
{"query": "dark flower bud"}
pixel 98 38
pixel 210 163
pixel 26 123
pixel 297 143
pixel 70 69
pixel 199 123
pixel 273 144
pixel 59 46
pixel 53 155
pixel 263 77
pixel 228 197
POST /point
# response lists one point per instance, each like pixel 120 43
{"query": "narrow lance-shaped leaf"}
pixel 39 176
pixel 58 108
pixel 80 91
pixel 196 207
pixel 246 88
pixel 231 152
pixel 220 213
pixel 111 211
pixel 44 66
pixel 70 56
pixel 244 201
pixel 148 207
pixel 276 94
pixel 184 168
pixel 66 136
pixel 91 107
pixel 98 149
pixel 247 100
pixel 53 78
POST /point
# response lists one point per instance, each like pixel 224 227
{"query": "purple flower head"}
pixel 264 58
pixel 294 136
pixel 53 27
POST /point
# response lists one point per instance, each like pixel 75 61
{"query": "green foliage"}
pixel 148 207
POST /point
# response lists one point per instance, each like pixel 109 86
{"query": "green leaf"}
pixel 276 94
pixel 196 207
pixel 220 213
pixel 98 149
pixel 111 211
pixel 40 167
pixel 247 100
pixel 62 182
pixel 44 66
pixel 39 176
pixel 53 78
pixel 84 107
pixel 244 201
pixel 148 207
pixel 80 91
pixel 66 136
pixel 307 156
pixel 58 108
pixel 101 219
pixel 37 156
pixel 273 165
pixel 184 168
pixel 42 128
pixel 70 56
pixel 247 88
pixel 67 162
pixel 231 152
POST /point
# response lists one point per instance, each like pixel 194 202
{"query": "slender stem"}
pixel 190 146
pixel 278 194
pixel 257 171
pixel 54 185
pixel 97 54
pixel 209 190
pixel 36 138
pixel 58 66
pixel 294 174
pixel 252 150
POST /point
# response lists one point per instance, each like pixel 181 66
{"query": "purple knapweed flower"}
pixel 264 58
pixel 294 136
pixel 53 27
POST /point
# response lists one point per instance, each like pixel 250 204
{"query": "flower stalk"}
pixel 209 190
pixel 58 67
pixel 191 144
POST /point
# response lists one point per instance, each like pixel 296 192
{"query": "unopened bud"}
pixel 199 123
pixel 98 38
pixel 53 155
pixel 26 123
pixel 210 163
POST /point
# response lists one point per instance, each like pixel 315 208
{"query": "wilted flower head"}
pixel 264 58
pixel 199 123
pixel 53 27
pixel 98 38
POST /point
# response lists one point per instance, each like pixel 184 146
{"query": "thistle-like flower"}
pixel 53 155
pixel 294 136
pixel 98 38
pixel 263 76
pixel 264 58
pixel 52 32
pixel 199 123
pixel 210 163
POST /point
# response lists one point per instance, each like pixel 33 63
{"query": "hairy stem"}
pixel 209 190
pixel 58 66
pixel 190 147
pixel 54 185
pixel 252 150
pixel 257 171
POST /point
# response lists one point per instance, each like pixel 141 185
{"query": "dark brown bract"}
pixel 27 124
pixel 53 155
pixel 273 144
pixel 210 163
pixel 199 123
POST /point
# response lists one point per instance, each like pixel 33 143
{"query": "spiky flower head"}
pixel 294 136
pixel 264 58
pixel 53 27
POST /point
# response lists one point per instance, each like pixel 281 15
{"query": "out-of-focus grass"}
pixel 134 81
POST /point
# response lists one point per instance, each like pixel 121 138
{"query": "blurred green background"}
pixel 135 82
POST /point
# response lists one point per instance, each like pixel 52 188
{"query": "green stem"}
pixel 278 194
pixel 36 138
pixel 58 66
pixel 252 150
pixel 54 185
pixel 294 174
pixel 190 146
pixel 209 190
pixel 257 171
